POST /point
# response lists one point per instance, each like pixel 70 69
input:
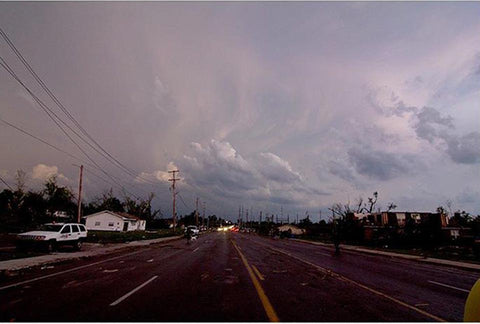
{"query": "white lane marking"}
pixel 151 260
pixel 66 271
pixel 110 271
pixel 118 301
pixel 196 249
pixel 448 286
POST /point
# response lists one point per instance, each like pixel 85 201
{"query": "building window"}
pixel 110 224
pixel 97 223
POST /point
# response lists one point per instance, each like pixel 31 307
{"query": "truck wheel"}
pixel 51 246
pixel 77 245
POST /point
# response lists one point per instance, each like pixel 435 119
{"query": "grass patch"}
pixel 122 237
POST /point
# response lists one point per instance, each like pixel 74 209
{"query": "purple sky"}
pixel 270 104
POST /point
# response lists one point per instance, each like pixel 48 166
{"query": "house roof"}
pixel 122 215
pixel 128 216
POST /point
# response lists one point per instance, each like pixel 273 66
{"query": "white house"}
pixel 113 221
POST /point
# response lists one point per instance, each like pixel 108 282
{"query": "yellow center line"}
pixel 271 314
pixel 259 275
pixel 345 279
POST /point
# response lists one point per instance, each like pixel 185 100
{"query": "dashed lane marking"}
pixel 67 271
pixel 118 301
pixel 271 314
pixel 448 286
pixel 196 249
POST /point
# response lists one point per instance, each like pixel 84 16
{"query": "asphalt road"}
pixel 237 277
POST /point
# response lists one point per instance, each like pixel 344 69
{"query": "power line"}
pixel 6 184
pixel 65 152
pixel 49 112
pixel 105 154
pixel 181 198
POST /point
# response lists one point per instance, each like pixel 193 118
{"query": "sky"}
pixel 276 106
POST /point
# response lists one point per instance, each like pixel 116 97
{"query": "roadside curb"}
pixel 10 267
pixel 457 264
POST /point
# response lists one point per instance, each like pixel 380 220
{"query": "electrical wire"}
pixel 49 112
pixel 6 184
pixel 65 152
pixel 181 198
pixel 105 154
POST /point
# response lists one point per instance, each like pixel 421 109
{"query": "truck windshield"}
pixel 51 228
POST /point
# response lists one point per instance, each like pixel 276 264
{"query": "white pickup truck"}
pixel 52 235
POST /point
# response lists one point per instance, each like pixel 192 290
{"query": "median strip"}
pixel 118 301
pixel 271 314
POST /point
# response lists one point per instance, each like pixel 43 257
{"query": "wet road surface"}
pixel 237 277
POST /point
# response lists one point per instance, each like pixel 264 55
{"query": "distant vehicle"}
pixel 52 235
pixel 193 229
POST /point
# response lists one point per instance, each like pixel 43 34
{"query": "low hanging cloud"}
pixel 220 169
pixel 273 168
pixel 159 175
pixel 44 172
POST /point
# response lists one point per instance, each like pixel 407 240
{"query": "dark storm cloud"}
pixel 428 121
pixel 380 165
pixel 341 170
pixel 464 149
pixel 218 167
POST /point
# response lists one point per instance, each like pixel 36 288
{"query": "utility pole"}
pixel 260 217
pixel 247 217
pixel 204 204
pixel 196 212
pixel 174 214
pixel 297 219
pixel 239 215
pixel 80 195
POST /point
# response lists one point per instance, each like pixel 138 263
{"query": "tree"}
pixel 141 208
pixel 372 201
pixel 305 223
pixel 20 177
pixel 391 206
pixel 59 198
pixel 110 202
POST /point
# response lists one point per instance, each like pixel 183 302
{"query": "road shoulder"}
pixel 19 264
pixel 457 264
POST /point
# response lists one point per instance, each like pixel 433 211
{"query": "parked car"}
pixel 52 235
